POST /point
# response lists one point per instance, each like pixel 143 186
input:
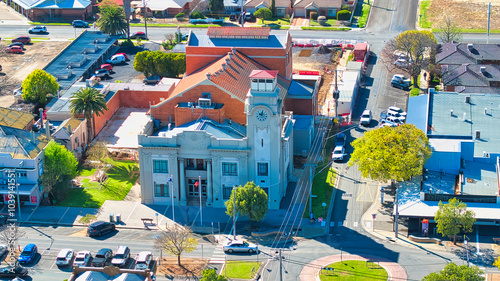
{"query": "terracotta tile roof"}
pixel 238 32
pixel 263 74
pixel 16 119
pixel 318 3
pixel 229 73
pixel 267 3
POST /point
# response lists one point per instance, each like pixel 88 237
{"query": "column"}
pixel 209 184
pixel 182 183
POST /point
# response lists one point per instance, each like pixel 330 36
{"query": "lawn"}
pixel 364 15
pixel 121 177
pixel 275 21
pixel 328 23
pixel 240 269
pixel 424 17
pixel 354 271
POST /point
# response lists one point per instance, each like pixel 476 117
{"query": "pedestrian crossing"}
pixel 218 256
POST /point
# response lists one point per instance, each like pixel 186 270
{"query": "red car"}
pixel 107 66
pixel 14 49
pixel 23 39
pixel 123 54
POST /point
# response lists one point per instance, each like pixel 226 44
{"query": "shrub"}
pixel 127 43
pixel 435 80
pixel 314 16
pixel 343 15
pixel 179 16
pixel 287 17
pixel 414 92
pixel 344 7
pixel 263 13
pixel 197 15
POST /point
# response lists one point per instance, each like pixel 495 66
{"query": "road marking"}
pixel 61 216
pixel 131 212
pixel 34 212
pixel 218 256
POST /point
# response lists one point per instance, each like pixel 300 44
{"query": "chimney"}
pixel 485 111
pixel 69 130
pixel 209 76
pixel 33 137
pixel 483 70
pixel 41 117
pixel 478 134
pixel 47 130
pixel 470 47
pixel 465 115
pixel 451 113
pixel 467 99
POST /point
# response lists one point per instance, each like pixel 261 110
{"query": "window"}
pixel 332 12
pixel 160 166
pixel 226 192
pixel 280 12
pixel 22 174
pixel 161 190
pixel 262 169
pixel 194 191
pixel 229 169
pixel 200 164
pixel 190 163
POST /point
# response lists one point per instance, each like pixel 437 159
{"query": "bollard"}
pixel 111 218
pixel 118 218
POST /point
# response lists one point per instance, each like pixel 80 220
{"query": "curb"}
pixel 83 225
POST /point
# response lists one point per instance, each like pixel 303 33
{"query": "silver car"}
pixel 239 246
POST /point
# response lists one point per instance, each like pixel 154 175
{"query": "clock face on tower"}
pixel 261 115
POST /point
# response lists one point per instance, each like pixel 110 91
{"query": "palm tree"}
pixel 86 102
pixel 112 20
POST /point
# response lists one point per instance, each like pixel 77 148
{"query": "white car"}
pixel 338 153
pixel 116 59
pixel 65 257
pixel 232 246
pixel 38 29
pixel 387 124
pixel 143 259
pixel 396 115
pixel 82 258
pixel 366 117
pixel 398 110
pixel 394 120
pixel 401 63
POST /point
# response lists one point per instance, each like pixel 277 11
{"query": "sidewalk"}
pixel 10 17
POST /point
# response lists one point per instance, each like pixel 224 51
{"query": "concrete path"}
pixel 311 271
pixel 9 16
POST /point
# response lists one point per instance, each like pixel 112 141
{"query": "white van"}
pixel 116 59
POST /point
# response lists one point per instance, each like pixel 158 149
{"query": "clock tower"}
pixel 263 108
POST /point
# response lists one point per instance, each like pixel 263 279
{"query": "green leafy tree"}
pixel 391 153
pixel 418 44
pixel 264 14
pixel 112 20
pixel 175 240
pixel 251 200
pixel 38 85
pixel 160 63
pixel 448 30
pixel 273 7
pixel 453 272
pixel 216 6
pixel 59 168
pixel 87 102
pixel 210 274
pixel 454 217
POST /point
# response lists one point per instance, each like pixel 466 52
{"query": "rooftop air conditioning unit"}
pixel 204 102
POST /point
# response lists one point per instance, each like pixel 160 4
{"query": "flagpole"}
pixel 199 191
pixel 172 196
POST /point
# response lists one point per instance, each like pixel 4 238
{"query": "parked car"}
pixel 338 153
pixel 102 258
pixel 14 49
pixel 234 16
pixel 38 29
pixel 18 91
pixel 116 59
pixel 395 114
pixel 65 257
pixel 249 17
pixel 340 140
pixel 400 81
pixel 401 63
pixel 101 73
pixel 17 44
pixel 107 66
pixel 366 117
pixel 143 259
pixel 155 79
pixel 394 120
pixel 397 109
pixel 80 23
pixel 383 115
pixel 28 254
pixel 98 228
pixel 82 258
pixel 13 272
pixel 123 54
pixel 232 246
pixel 139 34
pixel 23 39
pixel 122 254
pixel 386 123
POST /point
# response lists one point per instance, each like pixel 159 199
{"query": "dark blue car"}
pixel 28 254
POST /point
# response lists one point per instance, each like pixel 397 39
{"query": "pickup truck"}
pixel 340 140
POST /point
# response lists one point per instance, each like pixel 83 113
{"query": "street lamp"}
pixel 234 213
pixel 466 242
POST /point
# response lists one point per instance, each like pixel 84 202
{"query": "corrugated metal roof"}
pixel 67 4
pixel 417 112
pixel 235 32
pixel 21 144
pixel 14 118
pixel 272 41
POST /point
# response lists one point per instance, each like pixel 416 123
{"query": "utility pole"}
pixel 242 14
pixel 336 95
pixel 234 212
pixel 397 212
pixel 201 209
pixel 281 267
pixel 172 196
pixel 489 15
pixel 145 21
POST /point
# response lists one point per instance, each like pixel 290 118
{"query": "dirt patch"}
pixel 15 68
pixel 188 267
pixel 305 53
pixel 465 13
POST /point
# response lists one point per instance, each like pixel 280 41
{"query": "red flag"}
pixel 196 184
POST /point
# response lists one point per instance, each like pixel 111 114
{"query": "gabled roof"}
pixel 318 3
pixel 471 75
pixel 28 4
pixel 64 4
pixel 65 126
pixel 267 3
pixel 21 144
pixel 462 53
pixel 162 5
pixel 16 119
pixel 229 73
pixel 263 74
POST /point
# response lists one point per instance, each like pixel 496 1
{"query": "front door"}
pixel 194 189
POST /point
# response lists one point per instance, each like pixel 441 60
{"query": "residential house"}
pixel 16 119
pixel 21 154
pixel 71 133
pixel 470 68
pixel 162 8
pixel 327 8
pixel 233 6
pixel 51 10
pixel 224 124
pixel 283 7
